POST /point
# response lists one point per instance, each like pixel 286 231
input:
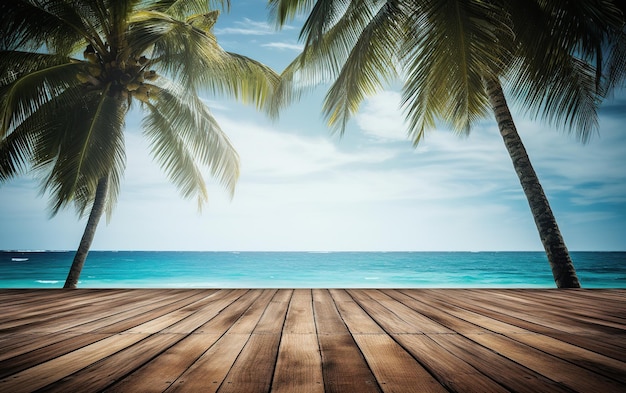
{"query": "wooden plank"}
pixel 158 374
pixel 204 310
pixel 507 373
pixel 593 361
pixel 421 303
pixel 55 369
pixel 53 346
pixel 573 354
pixel 161 372
pixel 492 325
pixel 55 307
pixel 398 317
pixel 248 321
pixel 394 323
pixel 300 318
pixel 208 372
pixel 41 300
pixel 581 305
pixel 590 339
pixel 98 376
pixel 452 372
pixel 449 370
pixel 254 367
pixel 49 345
pixel 394 368
pixel 551 367
pixel 137 316
pixel 561 317
pixel 299 364
pixel 343 366
pixel 356 319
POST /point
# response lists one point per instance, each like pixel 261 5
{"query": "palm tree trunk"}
pixel 558 256
pixel 90 231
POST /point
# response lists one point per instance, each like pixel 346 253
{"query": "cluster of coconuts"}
pixel 128 76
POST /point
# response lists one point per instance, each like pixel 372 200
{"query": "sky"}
pixel 303 188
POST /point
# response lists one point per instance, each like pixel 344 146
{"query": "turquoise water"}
pixel 143 269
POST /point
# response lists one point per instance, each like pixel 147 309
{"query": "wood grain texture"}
pixel 313 340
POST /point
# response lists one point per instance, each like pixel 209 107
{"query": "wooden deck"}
pixel 337 340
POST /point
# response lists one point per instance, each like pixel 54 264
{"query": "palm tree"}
pixel 70 71
pixel 453 57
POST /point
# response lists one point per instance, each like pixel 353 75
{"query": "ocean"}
pixel 152 269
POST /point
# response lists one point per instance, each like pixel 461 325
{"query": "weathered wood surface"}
pixel 313 340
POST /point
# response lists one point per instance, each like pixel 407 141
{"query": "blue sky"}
pixel 302 188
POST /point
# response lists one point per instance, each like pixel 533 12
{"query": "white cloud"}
pixel 380 116
pixel 270 154
pixel 247 27
pixel 284 46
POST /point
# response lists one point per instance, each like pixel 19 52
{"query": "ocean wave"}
pixel 19 259
pixel 48 281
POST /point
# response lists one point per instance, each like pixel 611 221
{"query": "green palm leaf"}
pixel 180 9
pixel 324 56
pixel 86 144
pixel 25 92
pixel 181 132
pixel 448 53
pixel 370 64
pixel 32 25
pixel 190 55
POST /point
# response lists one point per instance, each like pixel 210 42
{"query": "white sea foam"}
pixel 19 259
pixel 48 281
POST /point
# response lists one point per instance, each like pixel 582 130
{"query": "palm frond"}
pixel 566 97
pixel 181 132
pixel 85 145
pixel 370 63
pixel 282 11
pixel 181 9
pixel 56 26
pixel 326 13
pixel 242 78
pixel 179 50
pixel 16 150
pixel 451 46
pixel 204 21
pixel 616 63
pixel 25 147
pixel 14 64
pixel 322 61
pixel 583 26
pixel 556 75
pixel 191 56
pixel 25 92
